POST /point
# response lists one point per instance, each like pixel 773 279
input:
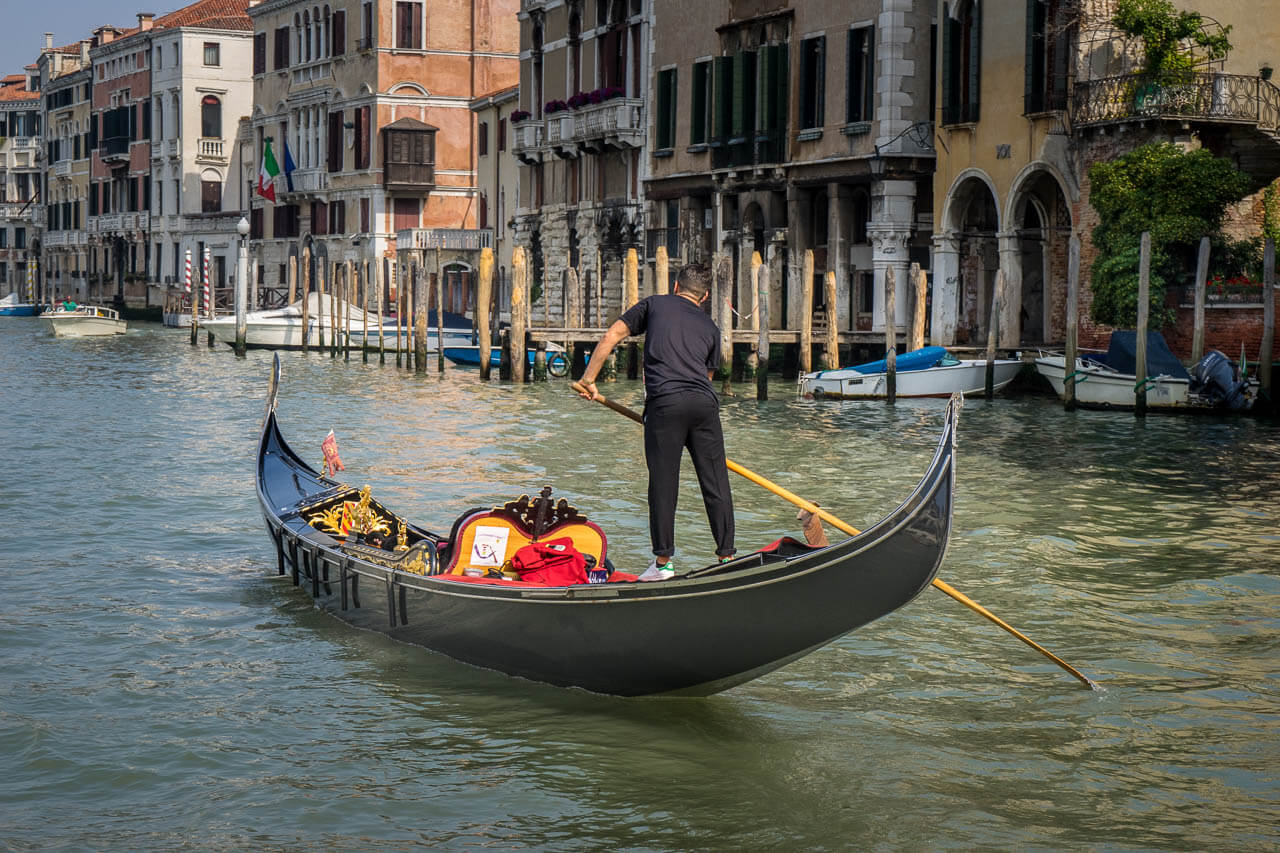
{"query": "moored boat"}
pixel 10 306
pixel 705 630
pixel 85 321
pixel 282 328
pixel 1109 380
pixel 469 356
pixel 926 372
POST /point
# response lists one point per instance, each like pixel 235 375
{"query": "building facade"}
pixel 498 175
pixel 784 127
pixel 118 219
pixel 201 85
pixel 1031 93
pixel 369 101
pixel 66 87
pixel 21 208
pixel 580 136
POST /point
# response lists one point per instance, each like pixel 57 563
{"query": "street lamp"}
pixel 242 276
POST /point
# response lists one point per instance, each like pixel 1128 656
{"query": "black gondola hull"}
pixel 692 635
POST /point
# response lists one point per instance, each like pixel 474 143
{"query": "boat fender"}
pixel 819 393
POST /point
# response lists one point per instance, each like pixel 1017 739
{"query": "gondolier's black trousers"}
pixel 673 422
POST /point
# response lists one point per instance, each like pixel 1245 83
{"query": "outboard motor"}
pixel 1218 379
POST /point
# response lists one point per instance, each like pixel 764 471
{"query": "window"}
pixel 409 25
pixel 860 87
pixel 338 35
pixel 361 116
pixel 259 53
pixel 319 218
pixel 364 216
pixel 210 196
pixel 502 134
pixel 281 58
pixel 19 238
pixel 1048 45
pixel 406 214
pixel 212 54
pixel 338 217
pixel 335 142
pixel 700 114
pixel 483 211
pixel 210 117
pixel 812 82
pixel 666 116
pixel 366 31
pixel 961 62
pixel 482 140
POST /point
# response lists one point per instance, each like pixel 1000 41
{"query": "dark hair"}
pixel 694 279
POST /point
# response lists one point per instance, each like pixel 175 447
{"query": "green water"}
pixel 161 688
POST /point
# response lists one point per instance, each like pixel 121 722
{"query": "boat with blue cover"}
pixel 10 306
pixel 926 372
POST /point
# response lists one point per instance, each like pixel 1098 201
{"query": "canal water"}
pixel 161 688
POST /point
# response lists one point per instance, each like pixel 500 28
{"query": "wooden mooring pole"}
pixel 762 341
pixel 1266 350
pixel 661 266
pixel 515 339
pixel 920 280
pixel 806 313
pixel 419 319
pixel 890 336
pixel 1202 276
pixel 1069 376
pixel 484 295
pixel 1144 310
pixel 993 332
pixel 306 299
pixel 724 288
pixel 831 350
pixel 440 315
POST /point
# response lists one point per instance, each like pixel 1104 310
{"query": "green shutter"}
pixel 698 104
pixel 764 91
pixel 975 63
pixel 782 86
pixel 869 75
pixel 724 96
pixel 673 96
pixel 820 93
pixel 739 94
pixel 948 66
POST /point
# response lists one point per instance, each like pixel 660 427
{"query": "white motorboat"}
pixel 85 321
pixel 1109 381
pixel 927 372
pixel 282 328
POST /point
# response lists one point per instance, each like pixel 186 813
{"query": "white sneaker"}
pixel 659 573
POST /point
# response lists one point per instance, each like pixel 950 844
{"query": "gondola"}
pixel 703 631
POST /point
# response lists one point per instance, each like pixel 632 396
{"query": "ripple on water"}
pixel 161 688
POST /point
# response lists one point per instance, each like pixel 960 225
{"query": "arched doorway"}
pixel 1041 218
pixel 971 225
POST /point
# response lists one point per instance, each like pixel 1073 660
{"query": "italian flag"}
pixel 267 173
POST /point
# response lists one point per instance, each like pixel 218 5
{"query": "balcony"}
pixel 21 142
pixel 210 150
pixel 448 239
pixel 18 210
pixel 1206 96
pixel 110 223
pixel 166 149
pixel 614 124
pixel 310 73
pixel 410 177
pixel 172 223
pixel 61 169
pixel 114 148
pixel 528 142
pixel 560 135
pixel 307 181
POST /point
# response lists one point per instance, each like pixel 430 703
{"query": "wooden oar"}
pixel 853 531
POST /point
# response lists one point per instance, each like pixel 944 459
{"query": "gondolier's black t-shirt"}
pixel 681 344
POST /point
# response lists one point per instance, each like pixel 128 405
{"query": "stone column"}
pixel 946 289
pixel 892 221
pixel 1011 263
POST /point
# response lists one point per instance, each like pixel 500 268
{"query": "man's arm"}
pixel 616 334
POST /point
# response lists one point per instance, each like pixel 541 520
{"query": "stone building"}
pixel 497 176
pixel 1012 184
pixel 21 210
pixel 370 101
pixel 118 221
pixel 67 92
pixel 781 127
pixel 201 85
pixel 580 135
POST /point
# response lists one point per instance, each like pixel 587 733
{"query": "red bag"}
pixel 555 562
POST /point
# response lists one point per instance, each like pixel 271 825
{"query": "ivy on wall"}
pixel 1179 197
pixel 1174 42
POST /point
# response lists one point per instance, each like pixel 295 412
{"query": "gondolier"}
pixel 681 351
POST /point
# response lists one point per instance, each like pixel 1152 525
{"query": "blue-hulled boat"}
pixel 11 307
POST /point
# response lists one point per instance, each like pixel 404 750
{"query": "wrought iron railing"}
pixel 1209 96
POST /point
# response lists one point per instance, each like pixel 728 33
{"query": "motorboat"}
pixel 1108 380
pixel 84 321
pixel 469 356
pixel 926 372
pixel 11 306
pixel 282 328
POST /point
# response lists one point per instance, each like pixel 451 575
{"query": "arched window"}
pixel 306 23
pixel 210 117
pixel 297 29
pixel 575 52
pixel 961 62
pixel 327 41
pixel 318 36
